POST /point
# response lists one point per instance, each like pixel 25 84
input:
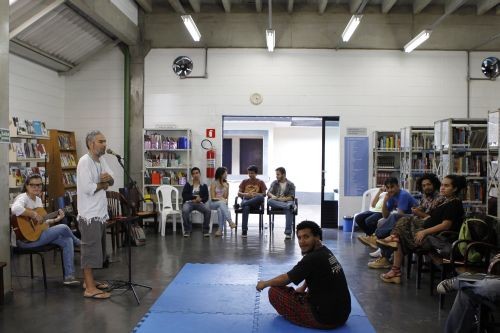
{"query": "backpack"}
pixel 476 230
pixel 137 235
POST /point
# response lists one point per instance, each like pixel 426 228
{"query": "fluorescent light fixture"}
pixel 351 27
pixel 191 26
pixel 11 2
pixel 270 40
pixel 419 39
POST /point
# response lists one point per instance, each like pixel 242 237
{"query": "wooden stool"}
pixel 2 265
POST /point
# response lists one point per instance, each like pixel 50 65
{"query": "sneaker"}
pixel 370 241
pixel 70 281
pixel 187 234
pixel 244 234
pixel 288 236
pixel 447 286
pixel 381 262
pixel 232 225
pixel 206 234
pixel 376 254
pixel 218 233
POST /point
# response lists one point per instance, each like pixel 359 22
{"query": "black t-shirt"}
pixel 328 293
pixel 452 210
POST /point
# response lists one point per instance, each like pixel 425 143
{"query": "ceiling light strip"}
pixel 191 27
pixel 418 40
pixel 351 27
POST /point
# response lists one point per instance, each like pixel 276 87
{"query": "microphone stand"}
pixel 120 284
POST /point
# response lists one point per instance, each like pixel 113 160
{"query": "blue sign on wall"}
pixel 355 165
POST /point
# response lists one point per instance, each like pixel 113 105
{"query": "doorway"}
pixel 304 146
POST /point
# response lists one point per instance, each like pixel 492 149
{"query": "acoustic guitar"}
pixel 27 229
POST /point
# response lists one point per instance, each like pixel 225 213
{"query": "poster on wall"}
pixel 355 165
pixel 4 135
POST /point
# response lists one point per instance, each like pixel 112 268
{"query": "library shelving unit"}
pixel 417 155
pixel 493 171
pixel 61 146
pixel 27 154
pixel 167 159
pixel 462 151
pixel 386 156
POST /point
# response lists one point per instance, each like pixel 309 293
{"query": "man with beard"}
pixel 323 300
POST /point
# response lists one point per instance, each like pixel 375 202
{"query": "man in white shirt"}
pixel 93 178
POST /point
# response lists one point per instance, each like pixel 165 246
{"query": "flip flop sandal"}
pixel 96 295
pixel 98 285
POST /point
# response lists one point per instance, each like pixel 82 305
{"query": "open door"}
pixel 330 172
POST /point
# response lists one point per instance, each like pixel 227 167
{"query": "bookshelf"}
pixel 463 151
pixel 61 146
pixel 167 159
pixel 493 173
pixel 386 156
pixel 417 155
pixel 27 154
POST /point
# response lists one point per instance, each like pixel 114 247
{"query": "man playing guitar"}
pixel 28 205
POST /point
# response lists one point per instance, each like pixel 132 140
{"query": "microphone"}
pixel 109 151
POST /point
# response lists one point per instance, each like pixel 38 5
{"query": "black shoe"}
pixel 244 234
pixel 236 206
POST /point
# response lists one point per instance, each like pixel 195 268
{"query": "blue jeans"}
pixel 385 230
pixel 223 213
pixel 61 235
pixel 187 208
pixel 246 205
pixel 461 317
pixel 287 207
pixel 367 221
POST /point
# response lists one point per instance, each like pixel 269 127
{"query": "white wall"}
pixel 379 90
pixel 36 93
pixel 94 100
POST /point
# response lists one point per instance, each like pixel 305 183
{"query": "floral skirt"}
pixel 405 229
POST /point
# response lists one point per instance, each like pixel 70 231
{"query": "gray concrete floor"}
pixel 390 308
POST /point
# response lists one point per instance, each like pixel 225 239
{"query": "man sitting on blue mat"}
pixel 323 300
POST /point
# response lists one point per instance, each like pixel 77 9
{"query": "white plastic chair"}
pixel 168 205
pixel 365 204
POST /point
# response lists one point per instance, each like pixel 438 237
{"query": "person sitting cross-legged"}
pixel 323 300
pixel 195 196
pixel 281 195
pixel 219 190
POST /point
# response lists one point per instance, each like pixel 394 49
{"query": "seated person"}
pixel 323 300
pixel 25 205
pixel 461 318
pixel 429 186
pixel 195 196
pixel 368 220
pixel 219 190
pixel 252 192
pixel 398 200
pixel 281 195
pixel 410 232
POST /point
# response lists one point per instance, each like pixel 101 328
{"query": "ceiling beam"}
pixel 322 6
pixel 451 5
pixel 227 5
pixel 290 6
pixel 146 5
pixel 354 5
pixel 177 6
pixel 419 5
pixel 387 5
pixel 258 6
pixel 35 17
pixel 484 5
pixel 195 4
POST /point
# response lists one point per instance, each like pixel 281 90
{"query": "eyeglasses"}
pixel 35 185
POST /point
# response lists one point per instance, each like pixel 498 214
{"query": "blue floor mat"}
pixel 222 298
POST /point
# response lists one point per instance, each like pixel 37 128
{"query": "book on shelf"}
pixel 475 191
pixel 389 142
pixel 64 141
pixel 478 138
pixel 18 174
pixel 28 150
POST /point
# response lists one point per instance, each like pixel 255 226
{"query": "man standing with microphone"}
pixel 93 179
